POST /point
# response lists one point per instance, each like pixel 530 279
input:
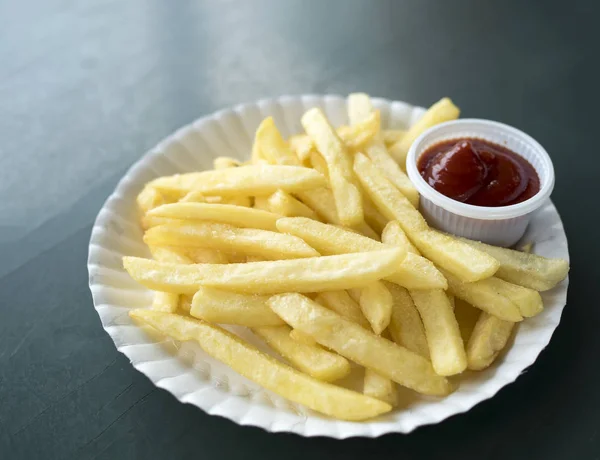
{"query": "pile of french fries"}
pixel 316 244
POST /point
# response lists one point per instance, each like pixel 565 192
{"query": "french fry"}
pixel 489 337
pixel 362 132
pixel 169 255
pixel 347 196
pixel 310 359
pixel 377 386
pixel 225 162
pixel 447 252
pixel 321 201
pixel 441 111
pixel 376 304
pixel 488 295
pixel 360 110
pixel 251 180
pixel 415 272
pixel 302 338
pixel 406 327
pixel 262 203
pixel 527 270
pixel 373 217
pixel 272 146
pixel 223 237
pixel 284 204
pixel 149 198
pixel 313 274
pixel 391 136
pixel 394 236
pixel 205 256
pixel 318 163
pixel 185 303
pixel 302 145
pixel 265 370
pixel 167 301
pixel 441 329
pixel 359 345
pixel 223 213
pixel 344 305
pixel 388 199
pixel 193 196
pixel 224 307
pixel 465 262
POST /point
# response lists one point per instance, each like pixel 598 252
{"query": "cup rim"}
pixel 469 210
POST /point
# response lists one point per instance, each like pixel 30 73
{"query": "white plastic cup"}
pixel 500 226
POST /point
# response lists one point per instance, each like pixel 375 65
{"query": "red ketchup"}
pixel 478 172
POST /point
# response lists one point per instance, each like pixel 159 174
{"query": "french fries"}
pixel 266 371
pixel 486 296
pixel 311 359
pixel 527 270
pixel 316 245
pixel 271 145
pixel 250 180
pixel 405 326
pixel 225 307
pixel 441 111
pixel 347 197
pixel 284 204
pixel 223 213
pixel 487 340
pixel 359 345
pixel 359 111
pixel 223 237
pixel 441 328
pixel 415 272
pixel 312 274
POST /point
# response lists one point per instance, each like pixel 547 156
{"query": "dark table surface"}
pixel 87 87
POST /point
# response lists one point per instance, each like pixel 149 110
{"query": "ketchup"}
pixel 478 172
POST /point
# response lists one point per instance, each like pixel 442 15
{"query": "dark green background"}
pixel 87 86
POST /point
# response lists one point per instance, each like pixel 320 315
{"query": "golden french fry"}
pixel 451 254
pixel 360 110
pixel 528 301
pixel 361 346
pixel 379 387
pixel 153 221
pixel 344 305
pixel 149 198
pixel 394 236
pixel 223 213
pixel 194 197
pixel 311 359
pixel 362 132
pixel 313 274
pixel 528 270
pixel 205 256
pixel 262 203
pixel 321 201
pixel 406 327
pixel 224 307
pixel 487 295
pixel 488 339
pixel 251 180
pixel 284 204
pixel 167 301
pixel 415 272
pixel 391 136
pixel 388 199
pixel 226 162
pixel 441 329
pixel 373 217
pixel 347 196
pixel 223 237
pixel 318 163
pixel 466 315
pixel 272 146
pixel 376 304
pixel 302 145
pixel 302 338
pixel 441 111
pixel 265 370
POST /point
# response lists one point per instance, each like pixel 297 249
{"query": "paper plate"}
pixel 195 378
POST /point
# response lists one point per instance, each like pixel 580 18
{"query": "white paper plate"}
pixel 192 376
